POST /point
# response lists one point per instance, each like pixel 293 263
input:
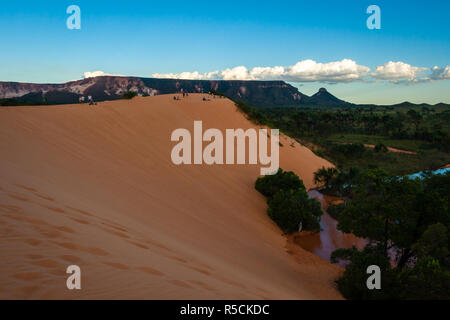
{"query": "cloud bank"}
pixel 398 72
pixel 343 71
pixel 440 73
pixel 93 74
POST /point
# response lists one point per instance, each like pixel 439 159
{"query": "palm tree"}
pixel 324 176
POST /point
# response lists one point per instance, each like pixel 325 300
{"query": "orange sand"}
pixel 95 187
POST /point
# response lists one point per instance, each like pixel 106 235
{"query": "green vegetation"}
pixel 407 223
pixel 17 102
pixel 216 93
pixel 129 95
pixel 324 176
pixel 335 210
pixel 289 204
pixel 337 182
pixel 252 114
pixel 340 135
pixel 380 148
pixel 269 185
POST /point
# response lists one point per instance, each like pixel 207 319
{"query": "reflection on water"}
pixel 329 238
pixel 422 174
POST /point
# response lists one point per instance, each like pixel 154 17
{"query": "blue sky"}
pixel 148 38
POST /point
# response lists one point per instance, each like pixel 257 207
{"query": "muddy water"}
pixel 330 238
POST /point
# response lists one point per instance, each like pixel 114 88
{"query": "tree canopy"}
pixel 289 205
pixel 407 222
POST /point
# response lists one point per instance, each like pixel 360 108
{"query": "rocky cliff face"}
pixel 16 89
pixel 256 93
pixel 101 88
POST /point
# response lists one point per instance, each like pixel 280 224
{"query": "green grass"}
pixel 319 133
pixel 395 163
pixel 410 145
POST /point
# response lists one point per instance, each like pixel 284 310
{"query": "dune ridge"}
pixel 94 186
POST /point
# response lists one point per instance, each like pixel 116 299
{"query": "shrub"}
pixel 324 176
pixel 9 102
pixel 335 210
pixel 216 93
pixel 352 284
pixel 407 217
pixel 129 95
pixel 426 280
pixel 380 148
pixel 289 208
pixel 269 185
pixel 252 113
pixel 352 150
pixel 289 204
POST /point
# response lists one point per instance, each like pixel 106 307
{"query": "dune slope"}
pixel 95 187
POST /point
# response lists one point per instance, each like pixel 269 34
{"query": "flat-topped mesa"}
pixel 255 93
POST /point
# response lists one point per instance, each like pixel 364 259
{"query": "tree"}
pixel 324 176
pixel 380 148
pixel 346 180
pixel 269 185
pixel 426 280
pixel 434 242
pixel 416 117
pixel 289 208
pixel 407 221
pixel 129 95
pixel 352 284
pixel 383 209
pixel 288 202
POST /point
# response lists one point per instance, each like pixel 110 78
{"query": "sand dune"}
pixel 95 187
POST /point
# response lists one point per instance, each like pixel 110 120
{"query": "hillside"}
pixel 325 99
pixel 258 93
pixel 95 187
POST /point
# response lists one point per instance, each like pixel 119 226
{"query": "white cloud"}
pixel 397 72
pixel 266 73
pixel 345 70
pixel 237 73
pixel 440 73
pixel 187 75
pixel 93 74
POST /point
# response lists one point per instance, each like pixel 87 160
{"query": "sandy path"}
pixel 392 149
pixel 94 186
